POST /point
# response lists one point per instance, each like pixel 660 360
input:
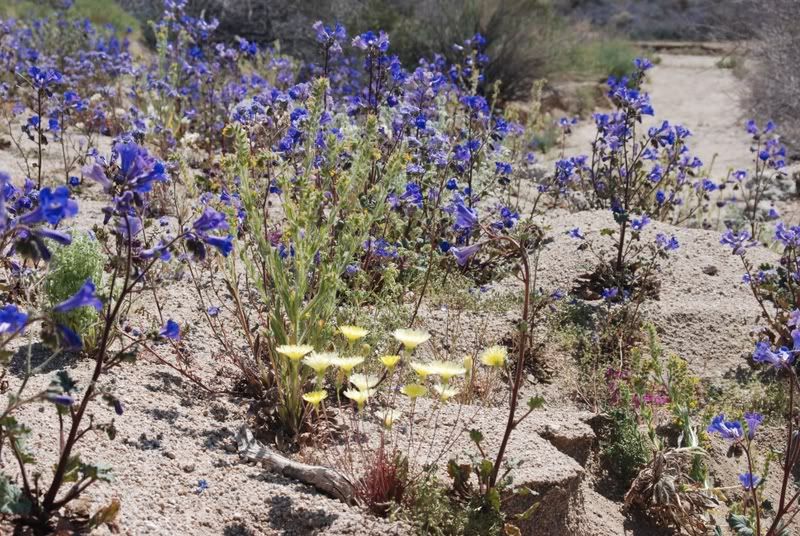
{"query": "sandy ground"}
pixel 171 435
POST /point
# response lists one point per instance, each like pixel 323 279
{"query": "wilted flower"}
pixel 494 356
pixel 295 352
pixel 388 416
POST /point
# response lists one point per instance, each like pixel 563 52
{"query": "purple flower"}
pixel 213 311
pixel 466 218
pixel 171 330
pixel 640 223
pixel 54 206
pixel 85 297
pixel 12 320
pixel 463 254
pixel 781 358
pixel 668 244
pixel 730 430
pixel 749 481
pixel 223 244
pixel 576 233
pixel 69 339
pixel 753 421
pixel 609 294
pixel 210 220
pixel 60 399
pixel 738 241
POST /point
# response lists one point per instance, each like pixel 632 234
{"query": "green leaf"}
pixel 12 501
pixel 606 232
pixel 493 498
pixel 741 525
pixel 475 436
pixel 535 402
pixel 66 383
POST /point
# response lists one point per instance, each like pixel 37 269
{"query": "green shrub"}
pixel 527 40
pixel 626 449
pixel 100 12
pixel 69 268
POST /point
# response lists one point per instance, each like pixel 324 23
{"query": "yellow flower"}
pixel 295 352
pixel 414 390
pixel 390 361
pixel 423 370
pixel 353 333
pixel 468 364
pixel 357 396
pixel 445 392
pixel 389 416
pixel 446 369
pixel 494 356
pixel 411 338
pixel 319 362
pixel 364 382
pixel 315 397
pixel 346 364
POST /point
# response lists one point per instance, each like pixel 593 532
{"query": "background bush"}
pixel 69 268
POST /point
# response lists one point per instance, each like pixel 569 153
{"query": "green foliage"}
pixel 100 12
pixel 69 268
pixel 625 449
pixel 528 40
pixel 431 510
pixel 598 58
pixel 300 292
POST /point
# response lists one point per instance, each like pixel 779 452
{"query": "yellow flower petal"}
pixel 346 364
pixel 414 390
pixel 445 393
pixel 494 356
pixel 295 352
pixel 390 361
pixel 353 333
pixel 315 397
pixel 410 338
pixel 357 396
pixel 319 362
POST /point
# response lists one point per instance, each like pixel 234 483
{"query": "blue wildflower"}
pixel 749 481
pixel 465 253
pixel 12 320
pixel 171 330
pixel 730 430
pixel 84 297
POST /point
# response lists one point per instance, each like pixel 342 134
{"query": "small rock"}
pixel 169 454
pixel 188 468
pixel 710 270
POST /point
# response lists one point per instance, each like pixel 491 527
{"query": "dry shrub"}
pixel 664 492
pixel 774 66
